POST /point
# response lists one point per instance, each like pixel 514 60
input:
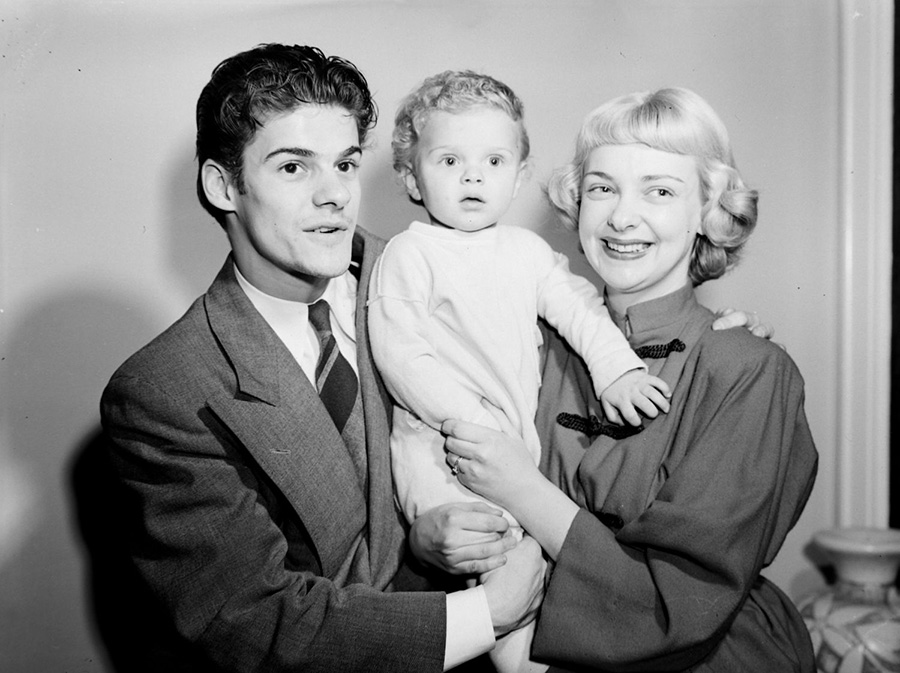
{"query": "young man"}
pixel 251 437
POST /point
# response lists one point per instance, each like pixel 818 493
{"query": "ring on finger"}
pixel 454 468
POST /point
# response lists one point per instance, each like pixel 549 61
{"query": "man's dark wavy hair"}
pixel 270 79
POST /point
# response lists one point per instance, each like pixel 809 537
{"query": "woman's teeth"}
pixel 626 248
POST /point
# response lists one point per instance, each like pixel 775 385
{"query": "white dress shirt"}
pixel 290 320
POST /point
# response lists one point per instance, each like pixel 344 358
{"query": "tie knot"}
pixel 318 316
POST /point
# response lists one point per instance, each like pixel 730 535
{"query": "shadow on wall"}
pixel 195 244
pixel 59 354
pixel 132 626
pixel 18 508
pixel 130 623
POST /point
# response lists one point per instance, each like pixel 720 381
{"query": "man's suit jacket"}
pixel 250 524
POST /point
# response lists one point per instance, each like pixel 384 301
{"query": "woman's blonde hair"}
pixel 679 121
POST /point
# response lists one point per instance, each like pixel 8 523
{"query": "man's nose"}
pixel 332 191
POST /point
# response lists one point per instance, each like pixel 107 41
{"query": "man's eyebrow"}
pixel 294 151
pixel 305 153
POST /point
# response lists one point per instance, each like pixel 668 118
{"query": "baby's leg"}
pixel 511 654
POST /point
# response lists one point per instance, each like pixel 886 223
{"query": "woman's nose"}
pixel 624 215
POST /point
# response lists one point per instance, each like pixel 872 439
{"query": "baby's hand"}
pixel 633 391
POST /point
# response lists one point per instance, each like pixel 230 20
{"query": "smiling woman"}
pixel 640 214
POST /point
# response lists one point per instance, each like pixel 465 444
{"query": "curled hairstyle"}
pixel 451 91
pixel 678 121
pixel 247 88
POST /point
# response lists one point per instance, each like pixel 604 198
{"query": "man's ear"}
pixel 217 185
pixel 412 185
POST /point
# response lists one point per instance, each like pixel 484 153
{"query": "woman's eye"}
pixel 347 166
pixel 663 193
pixel 291 169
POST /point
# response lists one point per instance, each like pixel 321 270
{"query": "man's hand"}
pixel 727 318
pixel 461 538
pixel 515 591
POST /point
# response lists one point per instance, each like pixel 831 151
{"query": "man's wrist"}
pixel 470 631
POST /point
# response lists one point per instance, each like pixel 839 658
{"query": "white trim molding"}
pixel 865 183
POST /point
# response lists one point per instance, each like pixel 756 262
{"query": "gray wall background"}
pixel 103 244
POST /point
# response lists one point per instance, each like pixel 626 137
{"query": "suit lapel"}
pixel 386 533
pixel 278 417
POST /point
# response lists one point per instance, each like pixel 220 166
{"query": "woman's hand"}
pixel 494 464
pixel 461 538
pixel 498 466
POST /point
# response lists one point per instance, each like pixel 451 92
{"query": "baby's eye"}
pixel 495 161
pixel 450 161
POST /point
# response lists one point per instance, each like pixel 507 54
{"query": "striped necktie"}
pixel 335 381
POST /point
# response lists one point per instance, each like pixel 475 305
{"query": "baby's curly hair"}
pixel 679 121
pixel 451 91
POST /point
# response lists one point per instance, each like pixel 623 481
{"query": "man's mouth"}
pixel 328 228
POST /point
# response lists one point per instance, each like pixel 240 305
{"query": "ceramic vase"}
pixel 855 623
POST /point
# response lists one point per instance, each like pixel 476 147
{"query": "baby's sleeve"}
pixel 574 306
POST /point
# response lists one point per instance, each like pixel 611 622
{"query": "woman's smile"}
pixel 620 249
pixel 639 216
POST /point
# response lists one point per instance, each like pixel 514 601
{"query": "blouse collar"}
pixel 656 315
